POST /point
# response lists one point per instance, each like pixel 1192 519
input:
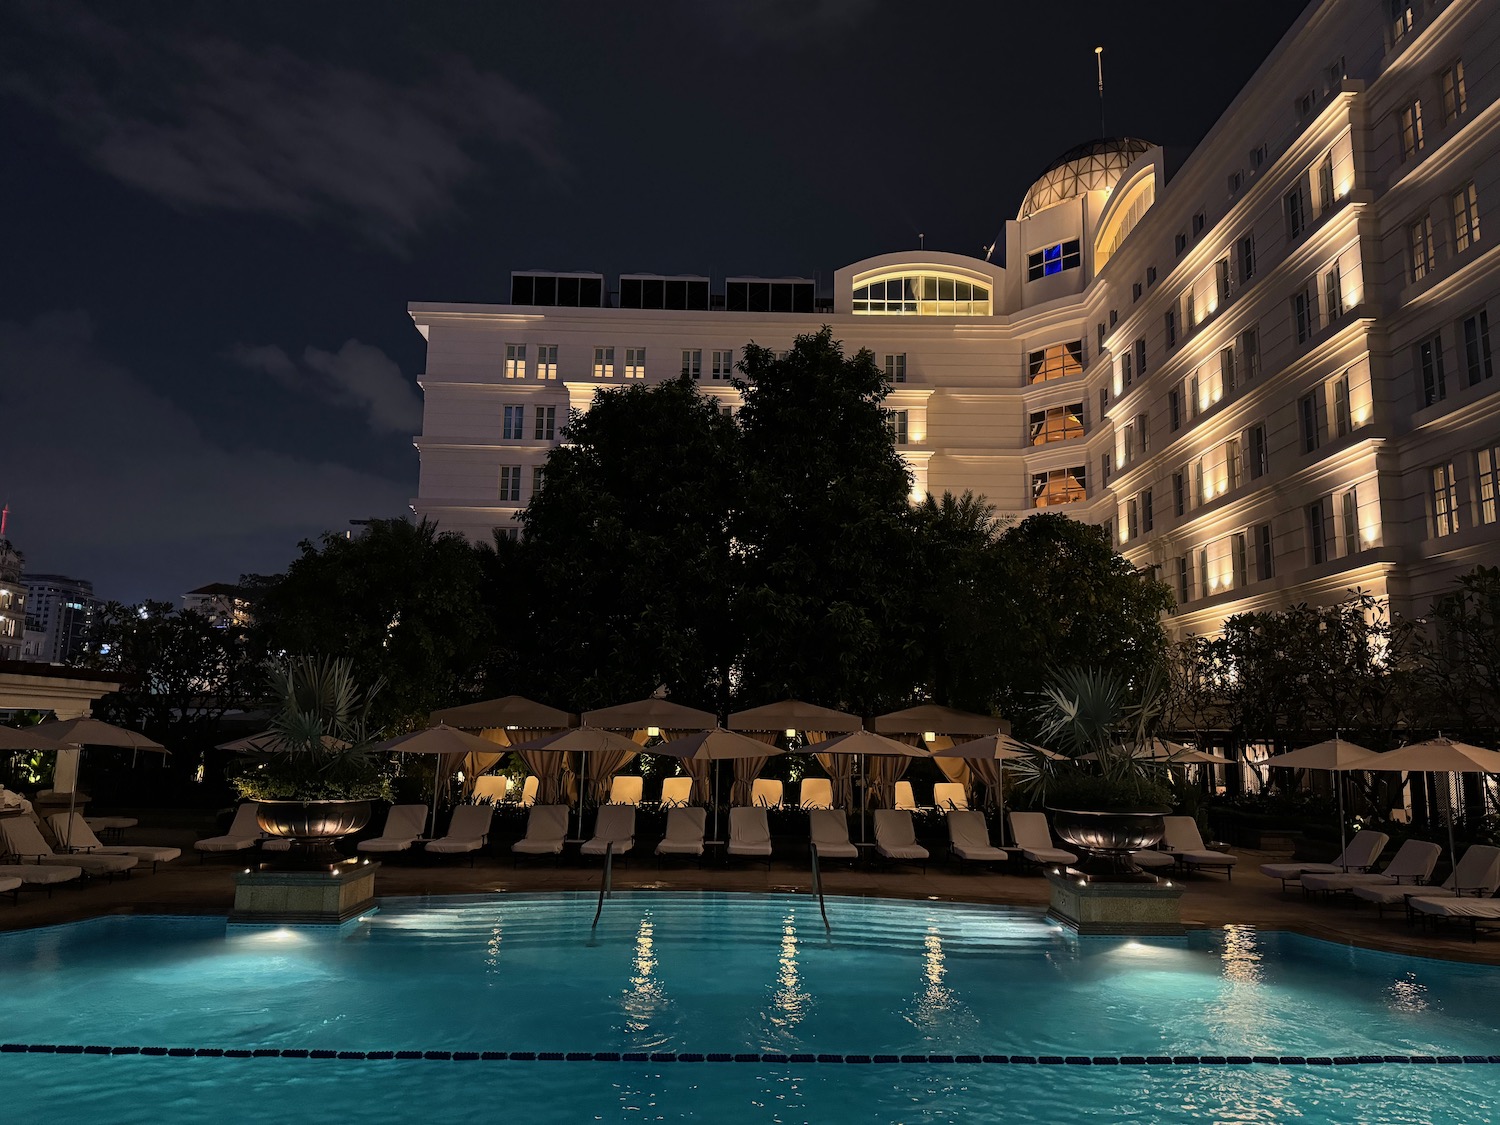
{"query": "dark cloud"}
pixel 748 24
pixel 357 376
pixel 202 122
pixel 115 479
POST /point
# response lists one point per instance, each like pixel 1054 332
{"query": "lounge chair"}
pixel 906 801
pixel 468 832
pixel 1184 843
pixel 684 832
pixel 1034 837
pixel 1360 855
pixel 896 836
pixel 766 793
pixel 492 788
pixel 969 838
pixel 1466 909
pixel 949 795
pixel 676 792
pixel 546 829
pixel 625 790
pixel 11 885
pixel 816 793
pixel 828 830
pixel 24 840
pixel 615 824
pixel 749 834
pixel 1411 866
pixel 403 828
pixel 243 833
pixel 1477 874
pixel 528 791
pixel 76 835
pixel 1151 858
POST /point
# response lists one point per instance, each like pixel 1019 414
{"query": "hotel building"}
pixel 1268 372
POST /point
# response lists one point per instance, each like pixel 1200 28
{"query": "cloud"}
pixel 358 376
pixel 202 122
pixel 112 482
pixel 748 24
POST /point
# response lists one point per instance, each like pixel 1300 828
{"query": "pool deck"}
pixel 1249 899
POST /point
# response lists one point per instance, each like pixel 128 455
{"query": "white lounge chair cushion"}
pixel 1034 839
pixel 969 837
pixel 615 823
pixel 1152 858
pixel 110 823
pixel 467 832
pixel 905 798
pixel 1293 870
pixel 546 828
pixel 79 834
pixel 41 874
pixel 1185 843
pixel 1477 874
pixel 24 840
pixel 684 832
pixel 1348 880
pixel 1457 906
pixel 1207 858
pixel 1360 855
pixel 403 827
pixel 242 833
pixel 226 843
pixel 749 832
pixel 829 829
pixel 895 837
pixel 9 883
pixel 1411 866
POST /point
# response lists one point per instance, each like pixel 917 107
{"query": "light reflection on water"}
pixel 645 999
pixel 789 1002
pixel 1408 994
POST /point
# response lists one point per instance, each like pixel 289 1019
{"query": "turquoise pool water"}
pixel 741 1008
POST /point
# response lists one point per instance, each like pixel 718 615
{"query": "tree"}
pixel 627 557
pixel 403 601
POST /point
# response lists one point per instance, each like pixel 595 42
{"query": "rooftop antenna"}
pixel 921 242
pixel 1099 59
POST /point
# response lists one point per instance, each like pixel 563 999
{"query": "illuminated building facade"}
pixel 1269 374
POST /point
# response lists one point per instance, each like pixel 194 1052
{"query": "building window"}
pixel 1402 15
pixel 1312 426
pixel 1126 370
pixel 1296 220
pixel 1444 501
pixel 1169 325
pixel 1245 257
pixel 1101 337
pixel 538 475
pixel 1203 586
pixel 1055 361
pixel 1174 409
pixel 1140 358
pixel 510 484
pixel 1182 580
pixel 723 364
pixel 1236 181
pixel 546 423
pixel 1179 496
pixel 1150 276
pixel 1465 217
pixel 1349 515
pixel 1410 122
pixel 1455 94
pixel 1200 220
pixel 1489 484
pixel 1343 423
pixel 1233 468
pixel 1106 467
pixel 692 364
pixel 1249 354
pixel 1304 315
pixel 1420 248
pixel 895 368
pixel 1241 560
pixel 1195 394
pixel 1221 279
pixel 604 363
pixel 1053 259
pixel 1114 318
pixel 635 363
pixel 1325 183
pixel 899 426
pixel 515 361
pixel 1135 291
pixel 1476 333
pixel 1103 402
pixel 546 361
pixel 1132 519
pixel 514 423
pixel 1056 423
pixel 1058 486
pixel 1257 156
pixel 1260 463
pixel 1333 294
pixel 1179 244
pixel 1148 519
pixel 922 294
pixel 1265 558
pixel 1317 532
pixel 1430 364
pixel 1304 105
pixel 1226 370
pixel 1143 430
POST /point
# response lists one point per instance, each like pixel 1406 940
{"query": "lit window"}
pixel 1055 361
pixel 510 484
pixel 1056 423
pixel 1489 484
pixel 635 363
pixel 515 361
pixel 692 364
pixel 1444 501
pixel 1053 259
pixel 514 423
pixel 1465 217
pixel 1430 365
pixel 546 423
pixel 546 361
pixel 1410 122
pixel 922 294
pixel 1476 332
pixel 895 368
pixel 1402 17
pixel 723 365
pixel 1455 95
pixel 604 363
pixel 898 423
pixel 1058 486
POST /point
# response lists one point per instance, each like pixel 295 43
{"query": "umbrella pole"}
pixel 1338 780
pixel 864 800
pixel 1000 769
pixel 1452 848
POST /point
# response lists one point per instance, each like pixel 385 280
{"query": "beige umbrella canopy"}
pixel 26 738
pixel 646 713
pixel 1334 755
pixel 793 714
pixel 507 711
pixel 449 743
pixel 95 732
pixel 1439 755
pixel 932 718
pixel 987 756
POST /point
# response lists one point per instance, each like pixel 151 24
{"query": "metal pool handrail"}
pixel 604 880
pixel 817 882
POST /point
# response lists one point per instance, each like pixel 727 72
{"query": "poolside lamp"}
pixel 653 732
pixel 791 732
pixel 929 736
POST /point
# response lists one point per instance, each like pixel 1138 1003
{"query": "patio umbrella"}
pixel 25 738
pixel 646 713
pixel 938 727
pixel 441 740
pixel 715 746
pixel 75 734
pixel 996 750
pixel 503 722
pixel 614 750
pixel 1440 755
pixel 867 744
pixel 793 714
pixel 1334 755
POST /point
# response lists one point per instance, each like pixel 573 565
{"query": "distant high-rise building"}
pixel 222 603
pixel 59 611
pixel 12 601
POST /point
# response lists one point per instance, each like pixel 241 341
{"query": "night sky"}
pixel 215 213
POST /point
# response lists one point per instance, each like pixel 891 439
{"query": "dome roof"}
pixel 1087 167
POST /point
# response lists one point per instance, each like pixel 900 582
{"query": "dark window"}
pixel 1200 220
pixel 1147 520
pixel 1140 357
pixel 1179 499
pixel 1169 322
pixel 1249 354
pixel 1174 408
pixel 1259 454
pixel 1265 559
pixel 1312 435
pixel 1125 367
pixel 1182 579
pixel 1180 243
pixel 1295 220
pixel 1053 259
pixel 1106 467
pixel 1304 315
pixel 1430 364
pixel 1135 291
pixel 1245 254
pixel 1101 338
pixel 1114 317
pixel 1317 532
pixel 1103 402
pixel 546 423
pixel 1476 330
pixel 1150 276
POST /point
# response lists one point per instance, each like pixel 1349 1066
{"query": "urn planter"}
pixel 1104 839
pixel 311 826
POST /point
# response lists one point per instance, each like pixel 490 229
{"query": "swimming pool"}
pixel 737 1008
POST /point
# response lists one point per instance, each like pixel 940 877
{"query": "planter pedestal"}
pixel 1115 908
pixel 323 896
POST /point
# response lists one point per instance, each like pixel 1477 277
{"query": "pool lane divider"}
pixel 773 1058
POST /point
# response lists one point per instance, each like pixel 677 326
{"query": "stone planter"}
pixel 311 826
pixel 1105 839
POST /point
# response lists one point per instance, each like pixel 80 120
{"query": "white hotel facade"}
pixel 1271 376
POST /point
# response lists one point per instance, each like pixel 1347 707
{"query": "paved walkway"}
pixel 1250 899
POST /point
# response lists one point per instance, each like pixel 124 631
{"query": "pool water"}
pixel 754 984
